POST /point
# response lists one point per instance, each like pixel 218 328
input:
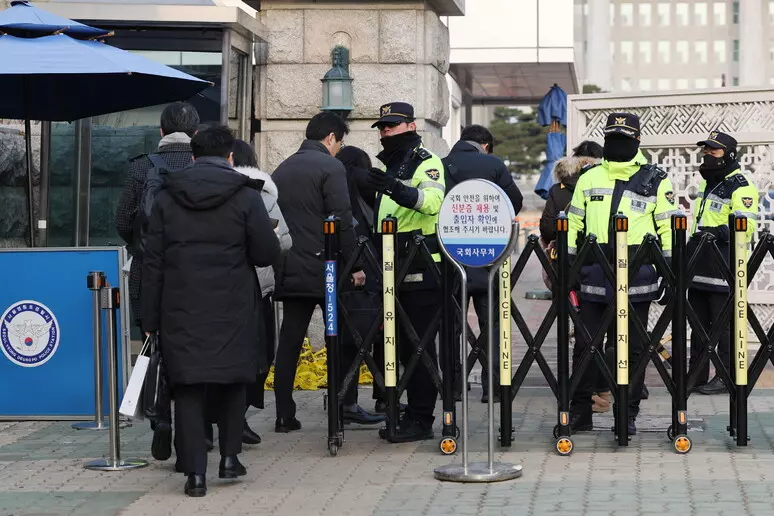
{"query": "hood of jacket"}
pixel 568 170
pixel 624 170
pixel 206 184
pixel 268 184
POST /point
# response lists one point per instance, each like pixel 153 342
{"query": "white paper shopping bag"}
pixel 131 405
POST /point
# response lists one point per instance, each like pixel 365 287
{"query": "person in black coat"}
pixel 208 231
pixel 471 158
pixel 312 185
pixel 179 121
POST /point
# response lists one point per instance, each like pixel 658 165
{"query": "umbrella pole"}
pixel 30 191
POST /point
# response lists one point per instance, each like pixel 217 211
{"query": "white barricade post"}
pixel 476 228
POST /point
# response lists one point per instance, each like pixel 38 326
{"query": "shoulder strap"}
pixel 423 154
pixel 158 161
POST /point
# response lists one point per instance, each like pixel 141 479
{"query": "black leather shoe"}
pixel 357 414
pixel 411 432
pixel 209 439
pixel 645 392
pixel 285 425
pixel 581 422
pixel 250 437
pixel 230 467
pixel 632 427
pixel 161 447
pixel 714 386
pixel 381 407
pixel 196 486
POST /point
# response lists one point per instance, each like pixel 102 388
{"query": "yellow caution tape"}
pixel 312 371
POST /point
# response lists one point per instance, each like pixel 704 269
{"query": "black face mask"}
pixel 714 169
pixel 400 142
pixel 620 148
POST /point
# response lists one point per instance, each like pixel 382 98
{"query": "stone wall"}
pixel 395 55
pixel 14 210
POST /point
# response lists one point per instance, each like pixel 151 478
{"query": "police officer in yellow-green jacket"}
pixel 411 190
pixel 623 182
pixel 724 189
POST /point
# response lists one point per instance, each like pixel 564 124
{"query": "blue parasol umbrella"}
pixel 552 111
pixel 52 69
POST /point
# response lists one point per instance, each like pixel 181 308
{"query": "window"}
pixel 681 48
pixel 735 82
pixel 700 47
pixel 735 12
pixel 701 84
pixel 664 84
pixel 681 11
pixel 645 85
pixel 627 14
pixel 612 13
pixel 719 49
pixel 682 84
pixel 627 48
pixel 645 52
pixel 626 85
pixel 717 82
pixel 700 11
pixel 663 14
pixel 719 13
pixel 645 12
pixel 664 51
pixel 736 51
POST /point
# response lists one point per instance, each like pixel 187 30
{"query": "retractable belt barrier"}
pixel 388 318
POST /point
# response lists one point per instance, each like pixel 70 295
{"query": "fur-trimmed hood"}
pixel 567 170
pixel 253 173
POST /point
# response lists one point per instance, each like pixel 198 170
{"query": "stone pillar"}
pixel 396 54
pixel 752 16
pixel 598 62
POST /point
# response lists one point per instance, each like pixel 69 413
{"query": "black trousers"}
pixel 295 321
pixel 421 307
pixel 591 315
pixel 255 391
pixel 708 306
pixel 190 408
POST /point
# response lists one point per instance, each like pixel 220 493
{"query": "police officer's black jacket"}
pixel 465 162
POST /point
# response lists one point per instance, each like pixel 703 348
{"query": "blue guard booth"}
pixel 46 331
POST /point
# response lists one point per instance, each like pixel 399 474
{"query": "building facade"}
pixel 659 45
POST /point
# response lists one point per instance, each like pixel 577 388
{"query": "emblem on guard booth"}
pixel 747 201
pixel 433 174
pixel 386 110
pixel 29 333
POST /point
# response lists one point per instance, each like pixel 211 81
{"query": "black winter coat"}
pixel 208 231
pixel 465 162
pixel 566 174
pixel 312 185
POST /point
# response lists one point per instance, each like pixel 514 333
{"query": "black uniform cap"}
pixel 395 112
pixel 623 123
pixel 718 140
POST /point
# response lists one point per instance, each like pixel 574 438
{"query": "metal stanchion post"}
pixel 679 430
pixel 449 346
pixel 564 444
pixel 622 328
pixel 504 312
pixel 389 229
pixel 332 341
pixel 739 350
pixel 732 412
pixel 94 282
pixel 111 301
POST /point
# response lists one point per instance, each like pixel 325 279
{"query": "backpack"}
pixel 150 188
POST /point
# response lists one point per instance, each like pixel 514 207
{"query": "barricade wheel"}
pixel 671 433
pixel 556 432
pixel 457 432
pixel 564 446
pixel 333 449
pixel 448 445
pixel 682 444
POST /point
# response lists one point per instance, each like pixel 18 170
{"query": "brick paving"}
pixel 41 464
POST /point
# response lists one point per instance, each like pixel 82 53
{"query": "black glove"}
pixel 721 233
pixel 377 180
